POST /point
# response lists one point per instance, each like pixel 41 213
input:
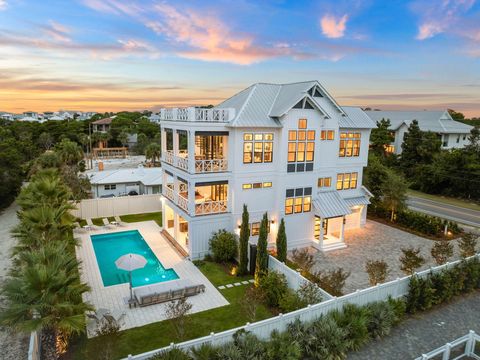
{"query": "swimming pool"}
pixel 109 247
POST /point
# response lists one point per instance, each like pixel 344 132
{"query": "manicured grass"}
pixel 446 200
pixel 156 216
pixel 220 274
pixel 156 335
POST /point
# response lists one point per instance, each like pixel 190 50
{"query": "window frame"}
pixel 350 144
pixel 347 181
pixel 258 147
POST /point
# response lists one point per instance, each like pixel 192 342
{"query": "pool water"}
pixel 109 247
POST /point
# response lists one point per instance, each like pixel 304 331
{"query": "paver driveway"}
pixel 377 242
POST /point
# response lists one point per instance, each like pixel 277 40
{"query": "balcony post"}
pixel 163 141
pixel 175 146
pixel 191 113
pixel 191 198
pixel 191 151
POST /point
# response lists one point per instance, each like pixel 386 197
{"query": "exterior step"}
pixel 174 243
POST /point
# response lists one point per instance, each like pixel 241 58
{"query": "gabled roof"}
pixel 356 119
pixel 103 121
pixel 435 121
pixel 261 104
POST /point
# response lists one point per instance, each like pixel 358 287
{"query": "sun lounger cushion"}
pixel 170 290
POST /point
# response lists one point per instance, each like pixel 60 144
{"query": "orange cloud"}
pixel 333 27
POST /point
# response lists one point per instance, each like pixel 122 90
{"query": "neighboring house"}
pixel 122 182
pixel 453 134
pixel 102 125
pixel 6 116
pixel 154 118
pixel 289 150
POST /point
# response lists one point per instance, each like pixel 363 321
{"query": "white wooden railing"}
pixel 168 192
pixel 262 329
pixel 168 157
pixel 294 279
pixel 181 162
pixel 34 346
pixel 468 342
pixel 197 114
pixel 213 165
pixel 183 202
pixel 211 207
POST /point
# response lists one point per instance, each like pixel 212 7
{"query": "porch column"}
pixel 191 199
pixel 163 141
pixel 322 234
pixel 342 229
pixel 191 151
pixel 175 226
pixel 175 144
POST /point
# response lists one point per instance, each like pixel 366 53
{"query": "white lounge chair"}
pixel 90 225
pixel 107 224
pixel 119 221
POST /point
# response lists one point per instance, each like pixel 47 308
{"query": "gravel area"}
pixel 426 331
pixel 375 241
pixel 12 346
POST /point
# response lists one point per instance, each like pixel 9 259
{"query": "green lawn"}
pixel 156 335
pixel 156 216
pixel 219 274
pixel 446 200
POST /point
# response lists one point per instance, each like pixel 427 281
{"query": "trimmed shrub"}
pixel 274 287
pixel 243 242
pixel 332 281
pixel 310 293
pixel 411 260
pixel 261 265
pixel 223 246
pixel 468 244
pixel 441 251
pixel 303 259
pixel 282 242
pixel 377 271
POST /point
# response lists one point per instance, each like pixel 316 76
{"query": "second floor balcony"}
pixel 209 151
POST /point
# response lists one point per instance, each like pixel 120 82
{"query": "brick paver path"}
pixel 376 242
pixel 426 331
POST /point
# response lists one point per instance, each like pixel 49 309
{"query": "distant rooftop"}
pixel 147 176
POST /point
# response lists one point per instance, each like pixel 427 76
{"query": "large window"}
pixel 255 228
pixel 349 144
pixel 298 200
pixel 257 148
pixel 110 187
pixel 347 181
pixel 301 148
pixel 266 184
pixel 327 135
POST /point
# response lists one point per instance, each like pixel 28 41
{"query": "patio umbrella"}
pixel 130 262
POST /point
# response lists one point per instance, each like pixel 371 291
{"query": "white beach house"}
pixel 286 149
pixel 453 134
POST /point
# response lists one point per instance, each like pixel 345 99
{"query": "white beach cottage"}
pixel 286 149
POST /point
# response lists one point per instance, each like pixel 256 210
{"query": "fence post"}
pixel 446 353
pixel 130 357
pixel 470 347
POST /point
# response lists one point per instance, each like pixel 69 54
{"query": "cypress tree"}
pixel 243 243
pixel 261 265
pixel 282 242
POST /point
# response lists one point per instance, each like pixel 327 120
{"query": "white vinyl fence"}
pixel 467 343
pixel 34 346
pixel 294 279
pixel 262 329
pixel 123 205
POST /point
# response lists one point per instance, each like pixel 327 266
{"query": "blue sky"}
pixel 114 55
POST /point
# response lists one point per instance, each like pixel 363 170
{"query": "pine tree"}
pixel 381 137
pixel 282 242
pixel 243 243
pixel 261 265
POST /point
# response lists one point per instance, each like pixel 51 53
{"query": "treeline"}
pixel 21 143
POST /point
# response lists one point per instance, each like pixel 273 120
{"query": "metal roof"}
pixel 435 121
pixel 359 200
pixel 356 119
pixel 147 176
pixel 329 204
pixel 262 104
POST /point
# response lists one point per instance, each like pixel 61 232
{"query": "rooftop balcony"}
pixel 193 114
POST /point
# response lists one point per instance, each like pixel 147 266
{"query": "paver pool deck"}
pixel 375 241
pixel 112 297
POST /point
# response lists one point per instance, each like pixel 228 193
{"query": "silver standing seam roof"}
pixel 435 121
pixel 329 204
pixel 262 104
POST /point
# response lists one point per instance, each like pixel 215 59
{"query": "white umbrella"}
pixel 130 262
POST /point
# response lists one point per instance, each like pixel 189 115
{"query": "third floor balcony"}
pixel 201 152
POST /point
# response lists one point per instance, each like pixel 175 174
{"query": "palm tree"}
pixel 70 152
pixel 45 294
pixel 123 137
pixel 153 151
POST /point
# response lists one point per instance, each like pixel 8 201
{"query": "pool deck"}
pixel 112 297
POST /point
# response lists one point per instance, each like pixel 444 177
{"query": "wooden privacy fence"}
pixel 123 205
pixel 262 329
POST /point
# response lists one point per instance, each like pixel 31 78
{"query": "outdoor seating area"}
pixel 162 292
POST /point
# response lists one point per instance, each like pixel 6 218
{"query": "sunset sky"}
pixel 116 55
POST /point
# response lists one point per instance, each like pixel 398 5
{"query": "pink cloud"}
pixel 333 27
pixel 57 31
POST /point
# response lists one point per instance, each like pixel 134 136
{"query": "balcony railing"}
pixel 168 157
pixel 182 162
pixel 183 202
pixel 211 207
pixel 168 192
pixel 214 165
pixel 197 114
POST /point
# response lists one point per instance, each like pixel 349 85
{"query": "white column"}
pixel 175 143
pixel 191 199
pixel 342 229
pixel 191 151
pixel 322 234
pixel 163 136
